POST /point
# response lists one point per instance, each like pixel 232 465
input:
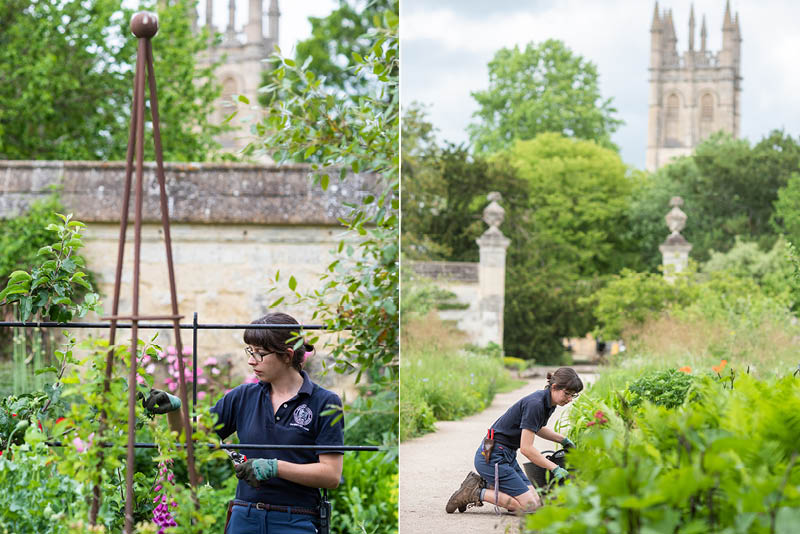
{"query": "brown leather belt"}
pixel 278 508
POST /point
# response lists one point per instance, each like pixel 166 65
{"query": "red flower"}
pixel 60 419
pixel 718 368
pixel 685 369
pixel 590 423
pixel 40 426
pixel 13 415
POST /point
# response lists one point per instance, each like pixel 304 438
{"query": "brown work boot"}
pixel 467 495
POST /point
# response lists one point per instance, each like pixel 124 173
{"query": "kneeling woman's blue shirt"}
pixel 247 410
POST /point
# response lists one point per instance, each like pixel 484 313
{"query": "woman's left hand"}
pixel 256 471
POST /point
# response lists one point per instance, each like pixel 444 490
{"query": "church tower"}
pixel 242 52
pixel 693 94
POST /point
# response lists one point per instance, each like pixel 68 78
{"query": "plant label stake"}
pixel 144 26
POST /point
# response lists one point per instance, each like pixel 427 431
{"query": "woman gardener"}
pixel 496 458
pixel 278 490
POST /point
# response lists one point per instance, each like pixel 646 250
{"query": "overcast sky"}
pixel 294 25
pixel 446 45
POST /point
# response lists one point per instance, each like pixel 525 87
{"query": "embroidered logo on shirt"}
pixel 302 416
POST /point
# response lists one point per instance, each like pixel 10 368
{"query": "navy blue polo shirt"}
pixel 247 410
pixel 531 413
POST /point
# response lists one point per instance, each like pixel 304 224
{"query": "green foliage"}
pixel 630 299
pixel 771 270
pixel 786 218
pixel 649 204
pixel 368 500
pixel 579 194
pixel 39 498
pixel 726 463
pixel 68 73
pixel 571 235
pixel 371 417
pixel 729 189
pixel 22 236
pixel 50 290
pixel 336 41
pixel 442 380
pixel 516 364
pixel 421 296
pixel 544 87
pixel 358 298
pixel 664 388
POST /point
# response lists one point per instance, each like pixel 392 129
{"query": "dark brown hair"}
pixel 277 340
pixel 564 378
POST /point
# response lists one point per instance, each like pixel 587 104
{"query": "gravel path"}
pixel 433 466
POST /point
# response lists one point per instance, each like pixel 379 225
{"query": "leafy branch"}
pixel 51 289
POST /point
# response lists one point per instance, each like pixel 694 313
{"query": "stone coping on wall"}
pixel 455 271
pixel 235 193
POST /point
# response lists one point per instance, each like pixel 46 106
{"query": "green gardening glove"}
pixel 567 444
pixel 161 402
pixel 254 472
pixel 559 473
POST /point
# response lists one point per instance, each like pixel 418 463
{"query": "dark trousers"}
pixel 250 520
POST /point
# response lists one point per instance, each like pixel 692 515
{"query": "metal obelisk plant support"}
pixel 144 26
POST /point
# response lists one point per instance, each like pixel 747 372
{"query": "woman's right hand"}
pixel 256 471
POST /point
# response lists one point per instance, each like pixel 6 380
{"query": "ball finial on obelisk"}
pixel 144 24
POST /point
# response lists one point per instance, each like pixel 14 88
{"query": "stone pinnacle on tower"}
pixel 230 31
pixel 274 17
pixel 691 28
pixel 727 22
pixel 656 19
pixel 703 34
pixel 253 30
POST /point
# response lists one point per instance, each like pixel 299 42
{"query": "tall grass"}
pixel 441 379
pixel 754 337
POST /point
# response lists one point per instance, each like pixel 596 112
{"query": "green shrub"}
pixel 367 500
pixel 37 498
pixel 631 298
pixel 516 364
pixel 726 463
pixel 664 388
pixel 416 416
pixel 448 385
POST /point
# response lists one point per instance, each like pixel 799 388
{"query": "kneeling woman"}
pixel 278 490
pixel 496 458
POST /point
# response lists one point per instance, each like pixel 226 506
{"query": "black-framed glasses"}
pixel 571 395
pixel 256 355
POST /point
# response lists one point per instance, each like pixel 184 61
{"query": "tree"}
pixel 444 193
pixel 67 77
pixel 729 189
pixel 647 228
pixel 336 42
pixel 542 88
pixel 579 198
pixel 787 210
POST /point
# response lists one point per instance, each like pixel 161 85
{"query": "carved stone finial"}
pixel 494 213
pixel 676 218
pixel 144 24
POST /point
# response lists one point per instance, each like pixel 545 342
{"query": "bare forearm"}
pixel 315 475
pixel 546 433
pixel 533 454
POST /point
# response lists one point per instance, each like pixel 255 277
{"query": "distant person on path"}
pixel 496 458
